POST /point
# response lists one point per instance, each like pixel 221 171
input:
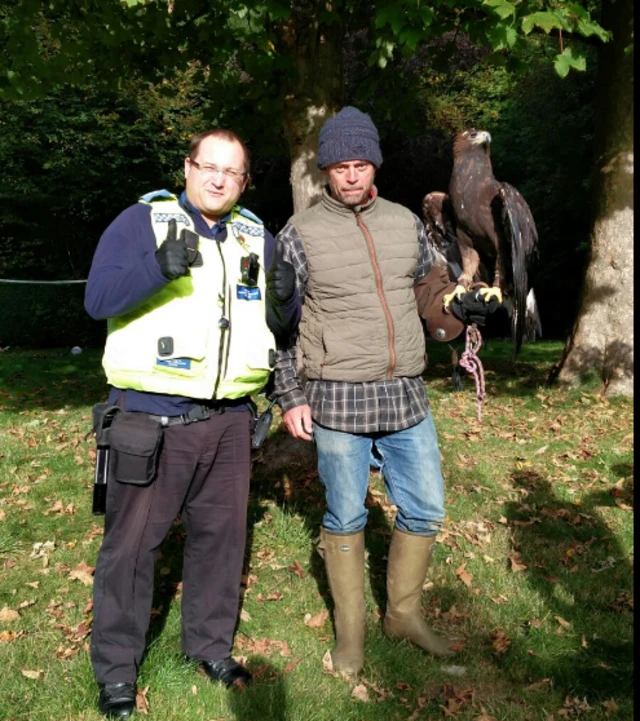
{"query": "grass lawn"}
pixel 533 570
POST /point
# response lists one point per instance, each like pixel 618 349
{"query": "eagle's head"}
pixel 471 139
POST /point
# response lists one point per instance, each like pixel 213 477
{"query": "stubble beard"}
pixel 351 200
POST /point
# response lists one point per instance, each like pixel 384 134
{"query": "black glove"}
pixel 172 256
pixel 471 308
pixel 281 277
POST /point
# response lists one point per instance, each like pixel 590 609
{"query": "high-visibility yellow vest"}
pixel 203 335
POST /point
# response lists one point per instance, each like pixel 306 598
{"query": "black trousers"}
pixel 203 476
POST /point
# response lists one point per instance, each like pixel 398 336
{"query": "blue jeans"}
pixel 410 464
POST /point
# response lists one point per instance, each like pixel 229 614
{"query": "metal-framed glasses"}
pixel 208 170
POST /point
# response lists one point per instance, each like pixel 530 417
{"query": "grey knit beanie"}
pixel 349 135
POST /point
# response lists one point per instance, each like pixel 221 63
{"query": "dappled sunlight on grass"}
pixel 533 570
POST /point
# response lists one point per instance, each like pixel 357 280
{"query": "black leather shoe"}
pixel 230 672
pixel 117 700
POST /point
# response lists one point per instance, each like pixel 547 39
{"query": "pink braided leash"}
pixel 472 364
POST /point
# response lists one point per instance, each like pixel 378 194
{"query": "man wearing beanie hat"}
pixel 368 276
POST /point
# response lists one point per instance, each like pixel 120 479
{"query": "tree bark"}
pixel 602 338
pixel 313 92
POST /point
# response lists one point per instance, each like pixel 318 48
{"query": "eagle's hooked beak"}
pixel 482 138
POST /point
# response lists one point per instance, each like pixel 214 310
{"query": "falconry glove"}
pixel 173 255
pixel 472 308
pixel 281 278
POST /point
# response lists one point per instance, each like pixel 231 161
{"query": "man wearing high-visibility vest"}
pixel 195 295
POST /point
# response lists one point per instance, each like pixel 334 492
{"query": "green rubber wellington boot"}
pixel 344 561
pixel 409 556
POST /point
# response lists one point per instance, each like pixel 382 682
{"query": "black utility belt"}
pixel 128 448
pixel 129 443
pixel 197 413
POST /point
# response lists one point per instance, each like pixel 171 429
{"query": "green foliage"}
pixel 498 25
pixel 77 158
pixel 566 61
pixel 84 152
pixel 48 43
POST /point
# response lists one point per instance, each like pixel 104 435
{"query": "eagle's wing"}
pixel 439 221
pixel 521 236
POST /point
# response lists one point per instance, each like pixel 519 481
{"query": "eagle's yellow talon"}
pixel 488 293
pixel 457 292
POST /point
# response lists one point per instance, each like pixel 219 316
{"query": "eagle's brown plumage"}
pixel 488 225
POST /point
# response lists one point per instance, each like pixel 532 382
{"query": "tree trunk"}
pixel 313 92
pixel 602 338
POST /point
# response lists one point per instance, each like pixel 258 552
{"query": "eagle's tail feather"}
pixel 532 322
pixel 522 236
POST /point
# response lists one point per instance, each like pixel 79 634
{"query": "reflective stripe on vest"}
pixel 176 342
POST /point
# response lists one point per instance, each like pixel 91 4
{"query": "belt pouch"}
pixel 135 446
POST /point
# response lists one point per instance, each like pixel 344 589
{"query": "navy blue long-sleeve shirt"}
pixel 124 274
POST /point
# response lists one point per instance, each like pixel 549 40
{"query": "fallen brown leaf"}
pixel 574 706
pixel 142 702
pixel 464 575
pixel 500 641
pixel 623 506
pixel 485 717
pixel 67 652
pixel 291 665
pixel 327 662
pixel 543 683
pixel 422 702
pixel 7 614
pixel 516 564
pixel 360 692
pixel 264 646
pixel 82 576
pixel 297 569
pixel 381 692
pixel 562 622
pixel 499 600
pixel 611 707
pixel 316 621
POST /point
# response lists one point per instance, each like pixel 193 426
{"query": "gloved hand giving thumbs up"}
pixel 172 256
pixel 281 278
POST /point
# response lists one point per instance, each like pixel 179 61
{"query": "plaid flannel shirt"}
pixel 387 405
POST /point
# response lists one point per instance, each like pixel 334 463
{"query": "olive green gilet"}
pixel 203 335
pixel 360 322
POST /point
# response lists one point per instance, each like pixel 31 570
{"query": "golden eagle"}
pixel 487 233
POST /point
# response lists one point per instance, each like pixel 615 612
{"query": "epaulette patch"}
pixel 166 217
pixel 240 228
pixel 250 215
pixel 156 195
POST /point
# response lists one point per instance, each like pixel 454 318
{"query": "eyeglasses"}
pixel 208 170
